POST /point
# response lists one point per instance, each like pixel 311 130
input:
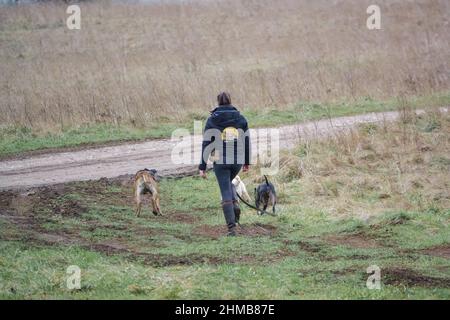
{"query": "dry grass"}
pixel 132 64
pixel 373 169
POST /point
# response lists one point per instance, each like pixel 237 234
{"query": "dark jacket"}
pixel 224 117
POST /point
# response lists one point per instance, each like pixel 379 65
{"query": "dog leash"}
pixel 255 208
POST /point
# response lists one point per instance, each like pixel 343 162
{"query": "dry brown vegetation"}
pixel 131 64
pixel 373 169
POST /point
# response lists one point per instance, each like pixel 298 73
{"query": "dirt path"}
pixel 113 161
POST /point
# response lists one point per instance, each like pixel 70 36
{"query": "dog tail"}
pixel 267 181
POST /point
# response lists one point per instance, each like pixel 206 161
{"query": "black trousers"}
pixel 225 173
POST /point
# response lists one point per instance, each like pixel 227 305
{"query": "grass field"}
pixel 378 195
pixel 137 71
pixel 19 140
pixel 135 64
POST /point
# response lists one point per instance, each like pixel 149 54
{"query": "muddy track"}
pixel 113 161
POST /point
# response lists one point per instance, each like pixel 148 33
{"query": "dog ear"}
pixel 156 175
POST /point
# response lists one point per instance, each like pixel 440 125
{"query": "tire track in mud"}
pixel 125 159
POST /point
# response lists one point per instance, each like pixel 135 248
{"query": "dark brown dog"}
pixel 145 181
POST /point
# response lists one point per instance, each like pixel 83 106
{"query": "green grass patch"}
pixel 318 247
pixel 309 255
pixel 17 140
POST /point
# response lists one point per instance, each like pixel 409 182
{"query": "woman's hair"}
pixel 224 98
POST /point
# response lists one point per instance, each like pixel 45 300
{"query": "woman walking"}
pixel 226 139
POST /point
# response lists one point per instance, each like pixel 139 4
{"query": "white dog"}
pixel 241 190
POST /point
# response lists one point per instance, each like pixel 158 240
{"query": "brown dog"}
pixel 145 181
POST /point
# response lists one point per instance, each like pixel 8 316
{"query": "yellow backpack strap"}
pixel 230 134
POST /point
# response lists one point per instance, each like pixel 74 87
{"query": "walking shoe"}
pixel 237 211
pixel 231 232
pixel 228 212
